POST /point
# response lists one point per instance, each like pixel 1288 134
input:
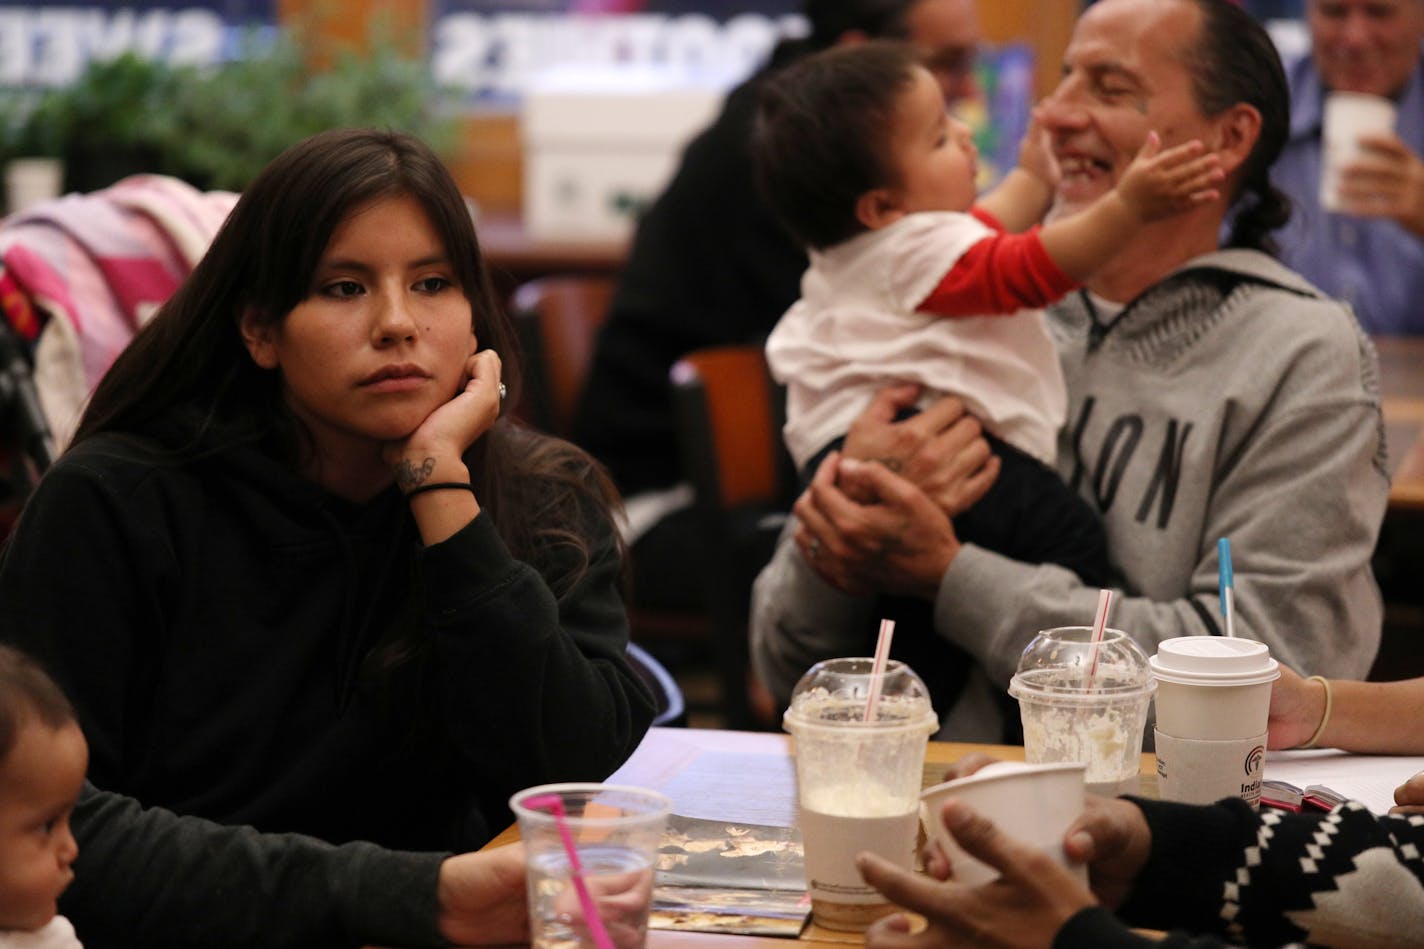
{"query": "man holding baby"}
pixel 1212 392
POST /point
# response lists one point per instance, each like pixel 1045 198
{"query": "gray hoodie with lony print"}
pixel 1230 399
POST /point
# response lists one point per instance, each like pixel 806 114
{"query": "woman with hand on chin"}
pixel 294 571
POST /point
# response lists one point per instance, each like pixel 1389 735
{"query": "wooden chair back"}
pixel 730 414
pixel 729 417
pixel 558 318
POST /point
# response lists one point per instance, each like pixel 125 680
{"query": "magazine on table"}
pixel 730 877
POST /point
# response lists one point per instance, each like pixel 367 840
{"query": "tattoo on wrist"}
pixel 408 474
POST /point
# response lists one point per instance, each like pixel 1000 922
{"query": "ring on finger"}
pixel 813 548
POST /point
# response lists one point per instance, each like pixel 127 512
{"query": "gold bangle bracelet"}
pixel 1324 719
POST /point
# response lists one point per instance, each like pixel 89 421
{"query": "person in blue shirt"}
pixel 1373 256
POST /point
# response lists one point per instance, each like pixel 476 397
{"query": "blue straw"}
pixel 1224 580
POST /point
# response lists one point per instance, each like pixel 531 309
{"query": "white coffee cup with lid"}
pixel 1213 699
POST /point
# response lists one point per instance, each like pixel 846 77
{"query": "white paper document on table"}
pixel 1369 779
pixel 744 777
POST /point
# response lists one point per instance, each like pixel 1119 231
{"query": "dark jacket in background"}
pixel 709 265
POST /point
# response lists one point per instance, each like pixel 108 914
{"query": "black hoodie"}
pixel 222 626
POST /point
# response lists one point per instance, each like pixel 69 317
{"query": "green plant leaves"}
pixel 218 127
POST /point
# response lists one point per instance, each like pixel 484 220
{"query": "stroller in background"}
pixel 78 276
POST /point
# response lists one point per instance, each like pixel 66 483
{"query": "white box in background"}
pixel 600 143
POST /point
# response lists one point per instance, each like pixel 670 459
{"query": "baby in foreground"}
pixel 43 757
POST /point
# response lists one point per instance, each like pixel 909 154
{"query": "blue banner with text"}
pixel 49 43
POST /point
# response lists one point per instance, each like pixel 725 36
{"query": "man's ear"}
pixel 257 337
pixel 1238 129
pixel 878 208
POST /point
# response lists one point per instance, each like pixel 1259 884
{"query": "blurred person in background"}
pixel 1372 255
pixel 711 265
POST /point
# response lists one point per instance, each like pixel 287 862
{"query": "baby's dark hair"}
pixel 822 134
pixel 27 692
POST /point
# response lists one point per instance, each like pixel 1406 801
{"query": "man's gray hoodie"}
pixel 1230 399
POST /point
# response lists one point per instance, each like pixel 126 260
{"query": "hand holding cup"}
pixel 1038 801
pixel 1026 905
pixel 1348 117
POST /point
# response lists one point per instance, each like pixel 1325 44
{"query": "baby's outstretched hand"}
pixel 1034 155
pixel 1160 183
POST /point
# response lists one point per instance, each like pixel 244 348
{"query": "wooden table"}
pixel 1402 387
pixel 752 759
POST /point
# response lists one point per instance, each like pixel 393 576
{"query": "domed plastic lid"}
pixel 835 693
pixel 1214 660
pixel 1061 662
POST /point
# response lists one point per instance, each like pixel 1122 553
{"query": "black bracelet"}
pixel 441 486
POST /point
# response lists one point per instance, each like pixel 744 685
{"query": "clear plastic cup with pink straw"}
pixel 1086 700
pixel 589 852
pixel 860 736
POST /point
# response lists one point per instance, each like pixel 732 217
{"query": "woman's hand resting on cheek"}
pixel 449 431
pixel 434 452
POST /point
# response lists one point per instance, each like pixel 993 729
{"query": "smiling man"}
pixel 1373 256
pixel 1212 392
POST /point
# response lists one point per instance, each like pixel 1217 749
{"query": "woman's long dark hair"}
pixel 191 355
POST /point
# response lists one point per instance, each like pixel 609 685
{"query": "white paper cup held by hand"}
pixel 1347 116
pixel 1213 700
pixel 1034 802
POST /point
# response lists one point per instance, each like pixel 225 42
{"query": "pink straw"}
pixel 1100 623
pixel 877 668
pixel 555 805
